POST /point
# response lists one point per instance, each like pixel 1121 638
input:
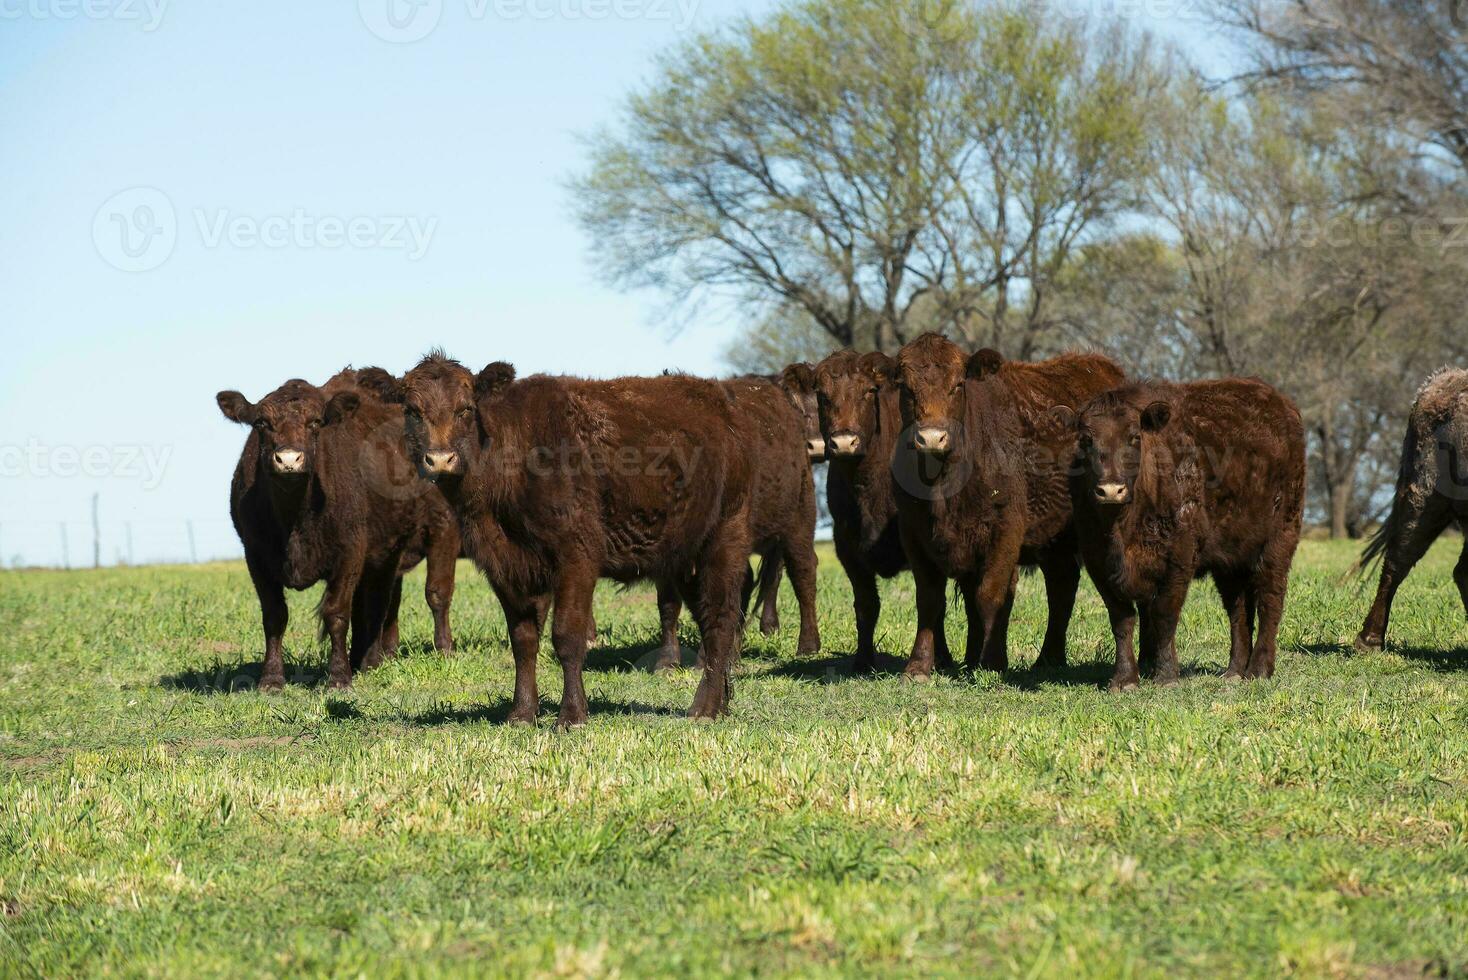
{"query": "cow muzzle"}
pixel 288 461
pixel 441 463
pixel 845 444
pixel 932 440
pixel 815 448
pixel 1112 494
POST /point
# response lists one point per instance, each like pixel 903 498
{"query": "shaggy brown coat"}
pixel 982 487
pixel 324 490
pixel 782 514
pixel 1181 480
pixel 857 406
pixel 559 481
pixel 1432 493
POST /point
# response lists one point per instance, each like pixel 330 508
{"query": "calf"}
pixel 1432 492
pixel 782 512
pixel 982 488
pixel 1180 480
pixel 438 540
pixel 324 491
pixel 857 405
pixel 559 481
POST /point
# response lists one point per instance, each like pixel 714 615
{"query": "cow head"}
pixel 1112 436
pixel 442 402
pixel 287 423
pixel 931 372
pixel 799 382
pixel 848 389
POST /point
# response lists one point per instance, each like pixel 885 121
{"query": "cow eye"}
pixel 956 388
pixel 466 413
pixel 314 424
pixel 263 425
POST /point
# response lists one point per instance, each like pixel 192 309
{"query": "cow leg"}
pixel 390 635
pixel 993 601
pixel 274 614
pixel 802 564
pixel 1123 615
pixel 867 603
pixel 1062 578
pixel 746 590
pixel 1162 613
pixel 670 654
pixel 772 567
pixel 568 636
pixel 1238 602
pixel 438 592
pixel 929 583
pixel 719 577
pixel 1270 583
pixel 1415 533
pixel 336 611
pixel 523 622
pixel 1460 576
pixel 377 592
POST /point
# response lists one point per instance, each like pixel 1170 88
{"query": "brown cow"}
pixel 782 513
pixel 560 481
pixel 323 490
pixel 1180 480
pixel 438 541
pixel 860 418
pixel 982 476
pixel 1432 492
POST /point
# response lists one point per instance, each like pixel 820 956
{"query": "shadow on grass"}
pixel 836 669
pixel 1435 658
pixel 497 712
pixel 236 678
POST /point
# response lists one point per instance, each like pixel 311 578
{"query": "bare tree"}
pixel 881 166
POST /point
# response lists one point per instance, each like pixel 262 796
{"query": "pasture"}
pixel 154 821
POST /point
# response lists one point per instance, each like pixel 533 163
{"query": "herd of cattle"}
pixel 958 467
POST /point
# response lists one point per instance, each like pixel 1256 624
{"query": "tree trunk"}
pixel 1340 505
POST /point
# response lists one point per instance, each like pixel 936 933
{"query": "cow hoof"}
pixel 864 665
pixel 1168 682
pixel 565 722
pixel 1120 687
pixel 339 685
pixel 917 676
pixel 1233 677
pixel 808 647
pixel 769 629
pixel 1366 644
pixel 271 685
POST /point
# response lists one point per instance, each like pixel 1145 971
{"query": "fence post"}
pixel 65 547
pixel 96 535
pixel 193 554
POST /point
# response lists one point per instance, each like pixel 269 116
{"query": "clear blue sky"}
pixel 295 154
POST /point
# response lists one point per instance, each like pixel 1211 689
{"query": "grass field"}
pixel 152 821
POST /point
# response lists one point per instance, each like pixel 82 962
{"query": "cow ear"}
pixel 236 407
pixel 880 366
pixel 1156 416
pixel 1059 420
pixel 983 363
pixel 377 381
pixel 798 379
pixel 343 405
pixel 494 377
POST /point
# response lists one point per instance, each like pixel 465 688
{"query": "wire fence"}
pixel 94 544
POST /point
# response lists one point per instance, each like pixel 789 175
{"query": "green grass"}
pixel 152 822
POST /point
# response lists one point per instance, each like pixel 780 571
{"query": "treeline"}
pixel 857 172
